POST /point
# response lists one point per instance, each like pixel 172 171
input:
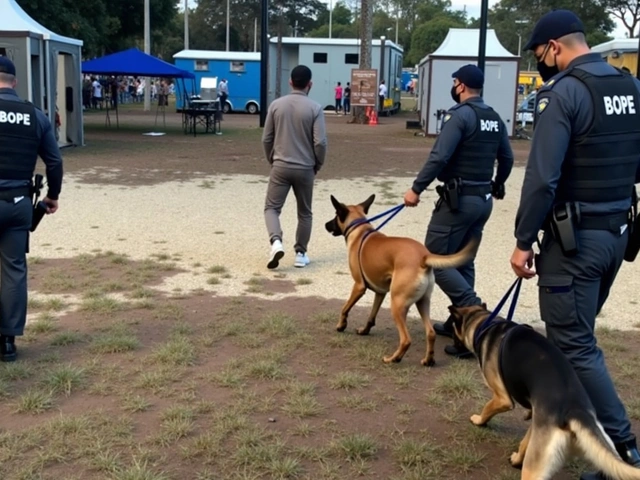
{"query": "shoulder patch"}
pixel 447 117
pixel 542 105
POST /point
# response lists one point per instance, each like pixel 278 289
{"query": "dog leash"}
pixel 391 212
pixel 487 323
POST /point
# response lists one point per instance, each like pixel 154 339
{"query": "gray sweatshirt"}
pixel 294 132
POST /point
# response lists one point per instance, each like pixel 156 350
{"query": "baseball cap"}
pixel 7 66
pixel 470 75
pixel 552 26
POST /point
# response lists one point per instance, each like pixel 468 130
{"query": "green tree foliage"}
pixel 103 26
pixel 422 25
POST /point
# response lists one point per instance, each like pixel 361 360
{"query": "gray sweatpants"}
pixel 572 292
pixel 448 232
pixel 15 220
pixel 281 180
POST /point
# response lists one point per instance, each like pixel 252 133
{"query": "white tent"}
pixel 460 48
pixel 48 67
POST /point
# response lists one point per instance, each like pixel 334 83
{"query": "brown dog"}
pixel 521 365
pixel 384 264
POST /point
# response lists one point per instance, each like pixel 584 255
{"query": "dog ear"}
pixel 341 210
pixel 367 203
pixel 484 306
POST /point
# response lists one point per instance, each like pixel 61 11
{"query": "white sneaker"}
pixel 302 260
pixel 277 252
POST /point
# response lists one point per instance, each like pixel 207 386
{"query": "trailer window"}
pixel 351 58
pixel 319 57
pixel 202 66
pixel 237 67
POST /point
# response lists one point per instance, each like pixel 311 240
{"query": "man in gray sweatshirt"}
pixel 295 144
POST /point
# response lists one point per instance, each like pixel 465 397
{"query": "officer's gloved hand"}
pixel 497 190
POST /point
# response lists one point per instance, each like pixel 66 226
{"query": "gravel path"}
pixel 219 221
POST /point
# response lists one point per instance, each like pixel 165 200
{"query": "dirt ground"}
pixel 117 380
pixel 129 158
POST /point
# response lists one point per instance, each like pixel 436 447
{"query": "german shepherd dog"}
pixel 521 365
pixel 384 264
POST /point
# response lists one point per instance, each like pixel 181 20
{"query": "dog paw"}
pixel 341 327
pixel 528 414
pixel 477 420
pixel 391 359
pixel 515 460
pixel 428 362
pixel 363 331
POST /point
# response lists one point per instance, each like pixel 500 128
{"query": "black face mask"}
pixel 546 72
pixel 455 96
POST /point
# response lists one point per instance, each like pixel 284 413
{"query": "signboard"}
pixel 364 88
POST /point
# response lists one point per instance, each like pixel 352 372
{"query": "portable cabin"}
pixel 460 48
pixel 621 52
pixel 240 69
pixel 48 70
pixel 331 61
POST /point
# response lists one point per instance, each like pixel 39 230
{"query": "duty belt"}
pixel 611 221
pixel 479 190
pixel 11 193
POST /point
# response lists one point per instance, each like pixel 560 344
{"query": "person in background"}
pixel 295 145
pixel 346 100
pixel 223 88
pixel 338 96
pixel 382 94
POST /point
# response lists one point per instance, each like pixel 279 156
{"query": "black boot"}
pixel 629 453
pixel 8 352
pixel 445 329
pixel 458 351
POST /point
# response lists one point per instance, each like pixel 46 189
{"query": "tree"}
pixel 628 11
pixel 427 37
pixel 513 18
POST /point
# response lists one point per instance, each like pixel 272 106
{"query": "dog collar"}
pixel 356 223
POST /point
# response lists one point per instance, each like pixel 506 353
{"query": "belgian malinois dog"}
pixel 385 264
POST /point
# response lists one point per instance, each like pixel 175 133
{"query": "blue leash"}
pixel 392 212
pixel 488 322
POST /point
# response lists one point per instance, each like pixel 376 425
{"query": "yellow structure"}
pixel 530 78
pixel 620 53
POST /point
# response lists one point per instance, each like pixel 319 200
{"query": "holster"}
pixel 563 222
pixel 39 208
pixel 633 225
pixel 450 194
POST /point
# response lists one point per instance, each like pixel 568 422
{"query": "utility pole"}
pixel 264 60
pixel 228 25
pixel 330 18
pixel 147 50
pixel 186 24
pixel 482 44
pixel 255 34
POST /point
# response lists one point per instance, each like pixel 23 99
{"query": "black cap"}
pixel 552 26
pixel 470 75
pixel 300 76
pixel 7 66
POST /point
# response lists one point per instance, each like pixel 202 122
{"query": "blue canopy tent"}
pixel 134 62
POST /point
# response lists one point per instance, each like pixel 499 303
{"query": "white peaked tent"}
pixel 48 68
pixel 458 49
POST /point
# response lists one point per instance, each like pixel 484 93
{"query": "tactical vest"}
pixel 474 158
pixel 600 166
pixel 19 140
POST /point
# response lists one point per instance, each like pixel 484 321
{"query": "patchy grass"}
pixel 123 381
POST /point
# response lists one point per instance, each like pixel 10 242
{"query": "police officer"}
pixel 577 188
pixel 25 133
pixel 463 158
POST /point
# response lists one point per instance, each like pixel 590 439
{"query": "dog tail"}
pixel 452 261
pixel 598 448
